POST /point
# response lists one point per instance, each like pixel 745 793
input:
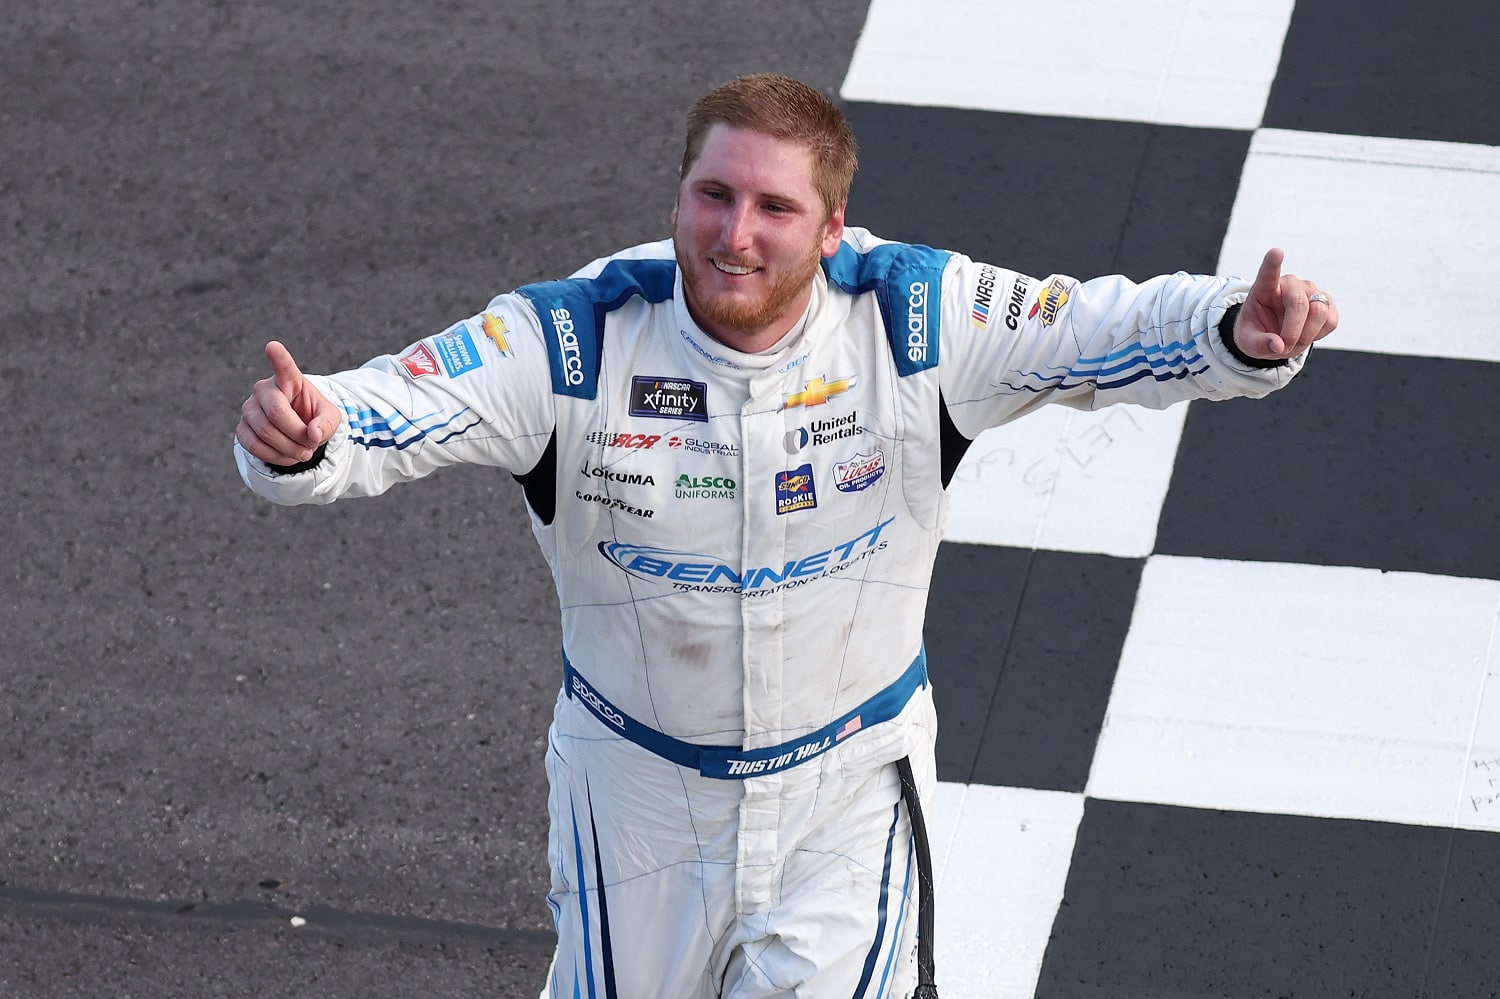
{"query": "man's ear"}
pixel 833 232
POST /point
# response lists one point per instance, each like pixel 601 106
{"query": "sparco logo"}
pixel 600 705
pixel 916 322
pixel 567 342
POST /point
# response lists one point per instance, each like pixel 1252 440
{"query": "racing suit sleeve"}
pixel 1012 343
pixel 477 393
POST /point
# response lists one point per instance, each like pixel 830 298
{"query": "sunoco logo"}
pixel 1049 302
pixel 567 342
pixel 916 322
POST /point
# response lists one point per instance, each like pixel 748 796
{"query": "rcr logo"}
pixel 567 342
pixel 916 322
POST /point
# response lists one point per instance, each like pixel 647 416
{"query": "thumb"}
pixel 321 427
pixel 1252 337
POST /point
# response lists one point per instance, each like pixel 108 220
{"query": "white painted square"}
pixel 1479 800
pixel 1309 690
pixel 1176 62
pixel 1000 858
pixel 1068 480
pixel 1404 234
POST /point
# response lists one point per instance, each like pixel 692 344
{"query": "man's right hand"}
pixel 286 418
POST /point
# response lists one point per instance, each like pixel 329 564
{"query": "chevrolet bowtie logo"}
pixel 818 391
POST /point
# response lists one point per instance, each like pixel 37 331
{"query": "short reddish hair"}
pixel 787 109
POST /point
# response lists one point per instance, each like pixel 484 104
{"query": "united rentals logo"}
pixel 821 432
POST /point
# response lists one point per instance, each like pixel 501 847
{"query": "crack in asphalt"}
pixel 316 921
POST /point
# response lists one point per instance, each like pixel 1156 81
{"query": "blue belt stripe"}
pixel 732 762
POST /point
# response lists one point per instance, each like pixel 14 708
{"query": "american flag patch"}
pixel 848 728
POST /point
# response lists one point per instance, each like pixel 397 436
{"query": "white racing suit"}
pixel 742 546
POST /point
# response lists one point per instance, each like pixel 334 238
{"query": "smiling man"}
pixel 735 447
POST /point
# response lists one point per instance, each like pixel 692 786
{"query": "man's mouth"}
pixel 732 268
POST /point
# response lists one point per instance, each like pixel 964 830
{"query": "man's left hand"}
pixel 1284 314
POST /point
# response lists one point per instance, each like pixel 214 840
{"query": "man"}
pixel 734 447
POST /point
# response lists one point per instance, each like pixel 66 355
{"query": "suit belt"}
pixel 733 762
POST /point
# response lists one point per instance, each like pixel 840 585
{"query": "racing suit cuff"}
pixel 1226 335
pixel 301 466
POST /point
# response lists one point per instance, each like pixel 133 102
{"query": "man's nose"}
pixel 738 226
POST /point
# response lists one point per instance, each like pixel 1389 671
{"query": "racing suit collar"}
pixel 785 355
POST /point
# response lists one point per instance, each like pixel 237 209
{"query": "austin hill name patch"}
pixel 668 398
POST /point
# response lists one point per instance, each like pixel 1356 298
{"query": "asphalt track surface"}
pixel 216 714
